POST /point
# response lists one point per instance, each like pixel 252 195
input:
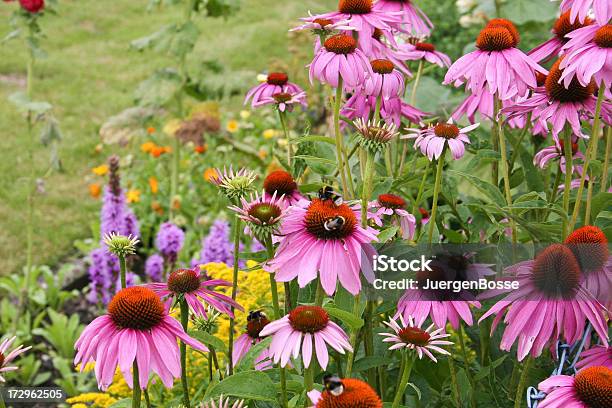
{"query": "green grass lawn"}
pixel 89 75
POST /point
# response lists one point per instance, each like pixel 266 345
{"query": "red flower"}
pixel 33 6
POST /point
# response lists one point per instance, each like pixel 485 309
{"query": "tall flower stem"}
pixel 408 362
pixel 567 147
pixel 123 271
pixel 338 135
pixel 415 85
pixel 504 161
pixel 353 337
pixel 417 201
pixel 185 323
pixel 518 398
pixel 147 398
pixel 587 210
pixel 454 383
pixel 368 176
pixel 230 347
pixel 466 364
pixel 136 392
pixel 277 315
pixel 591 152
pixel 604 176
pixel 436 194
pixel 319 294
pixel 282 116
pixel 309 378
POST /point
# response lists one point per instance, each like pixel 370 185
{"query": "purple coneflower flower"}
pixel 284 101
pixel 550 304
pixel 414 18
pixel 496 63
pixel 590 388
pixel 7 357
pixel 393 205
pixel 382 50
pixel 136 328
pixel 256 321
pixel 312 323
pixel 169 241
pixel 552 48
pixel 282 184
pixel 324 239
pixel 263 214
pixel 483 103
pixel 423 51
pixel 589 56
pixel 433 139
pixel 392 110
pixel 595 356
pixel 410 336
pixel 276 82
pixel 557 151
pixel 580 10
pixel 154 267
pixel 385 81
pixel 340 58
pixel 190 284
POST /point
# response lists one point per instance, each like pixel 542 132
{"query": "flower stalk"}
pixel 185 323
pixel 504 161
pixel 283 121
pixel 567 147
pixel 518 398
pixel 436 194
pixel 338 135
pixel 368 176
pixel 604 176
pixel 237 230
pixel 408 362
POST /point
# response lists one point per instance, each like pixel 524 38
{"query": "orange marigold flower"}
pixel 200 149
pixel 150 130
pixel 101 170
pixel 232 126
pixel 95 190
pixel 210 174
pixel 133 196
pixel 147 147
pixel 176 203
pixel 157 207
pixel 154 185
pixel 157 151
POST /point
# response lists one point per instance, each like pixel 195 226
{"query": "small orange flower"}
pixel 95 190
pixel 101 170
pixel 133 196
pixel 150 130
pixel 262 153
pixel 232 126
pixel 147 147
pixel 154 185
pixel 157 151
pixel 176 203
pixel 167 149
pixel 210 174
pixel 200 149
pixel 157 207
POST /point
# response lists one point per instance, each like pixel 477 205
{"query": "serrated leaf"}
pixel 484 187
pixel 250 385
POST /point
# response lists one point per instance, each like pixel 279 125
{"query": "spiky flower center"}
pixel 1 360
pixel 278 78
pixel 308 319
pixel 414 335
pixel 562 26
pixel 603 36
pixel 282 97
pixel 137 308
pixel 446 130
pixel 255 324
pixel 355 6
pixel 183 281
pixel 323 22
pixel 508 25
pixel 574 93
pixel 265 213
pixel 280 182
pixel 355 394
pixel 421 46
pixel 382 66
pixel 496 38
pixel 391 201
pixel 556 271
pixel 377 34
pixel 562 147
pixel 340 44
pixel 590 246
pixel 540 78
pixel 326 220
pixel 594 386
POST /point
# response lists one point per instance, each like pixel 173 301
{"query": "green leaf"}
pixel 533 177
pixel 248 361
pixel 387 234
pixel 24 104
pixel 484 187
pixel 122 403
pixel 604 221
pixel 314 138
pixel 209 340
pixel 345 317
pixel 250 385
pixel 368 362
pixel 158 89
pixel 523 11
pixel 599 203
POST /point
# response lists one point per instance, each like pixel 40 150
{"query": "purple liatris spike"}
pixel 169 241
pixel 217 247
pixel 154 267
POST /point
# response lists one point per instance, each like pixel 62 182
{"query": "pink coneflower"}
pixel 385 81
pixel 322 25
pixel 7 358
pixel 393 206
pixel 591 388
pixel 382 50
pixel 256 321
pixel 411 337
pixel 441 306
pixel 364 18
pixel 340 58
pixel 284 101
pixel 282 184
pixel 590 246
pixel 423 51
pixel 234 185
pixel 549 305
pixel 345 393
pixel 136 328
pixel 595 356
pixel 392 110
pixel 557 151
pixel 580 10
pixel 589 56
pixel 277 82
pixel 433 139
pixel 483 103
pixel 261 211
pixel 497 64
pixel 414 18
pixel 323 238
pixel 312 323
pixel 195 288
pixel 559 105
pixel 552 48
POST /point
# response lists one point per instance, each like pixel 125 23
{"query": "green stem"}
pixel 504 162
pixel 147 398
pixel 184 322
pixel 454 383
pixel 367 188
pixel 518 398
pixel 309 378
pixel 319 294
pixel 2 404
pixel 466 364
pixel 604 176
pixel 591 152
pixel 283 121
pixel 377 108
pixel 436 194
pixel 567 146
pixel 354 335
pixel 230 348
pixel 338 136
pixel 123 271
pixel 136 391
pixel 417 80
pixel 417 202
pixel 587 210
pixel 408 362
